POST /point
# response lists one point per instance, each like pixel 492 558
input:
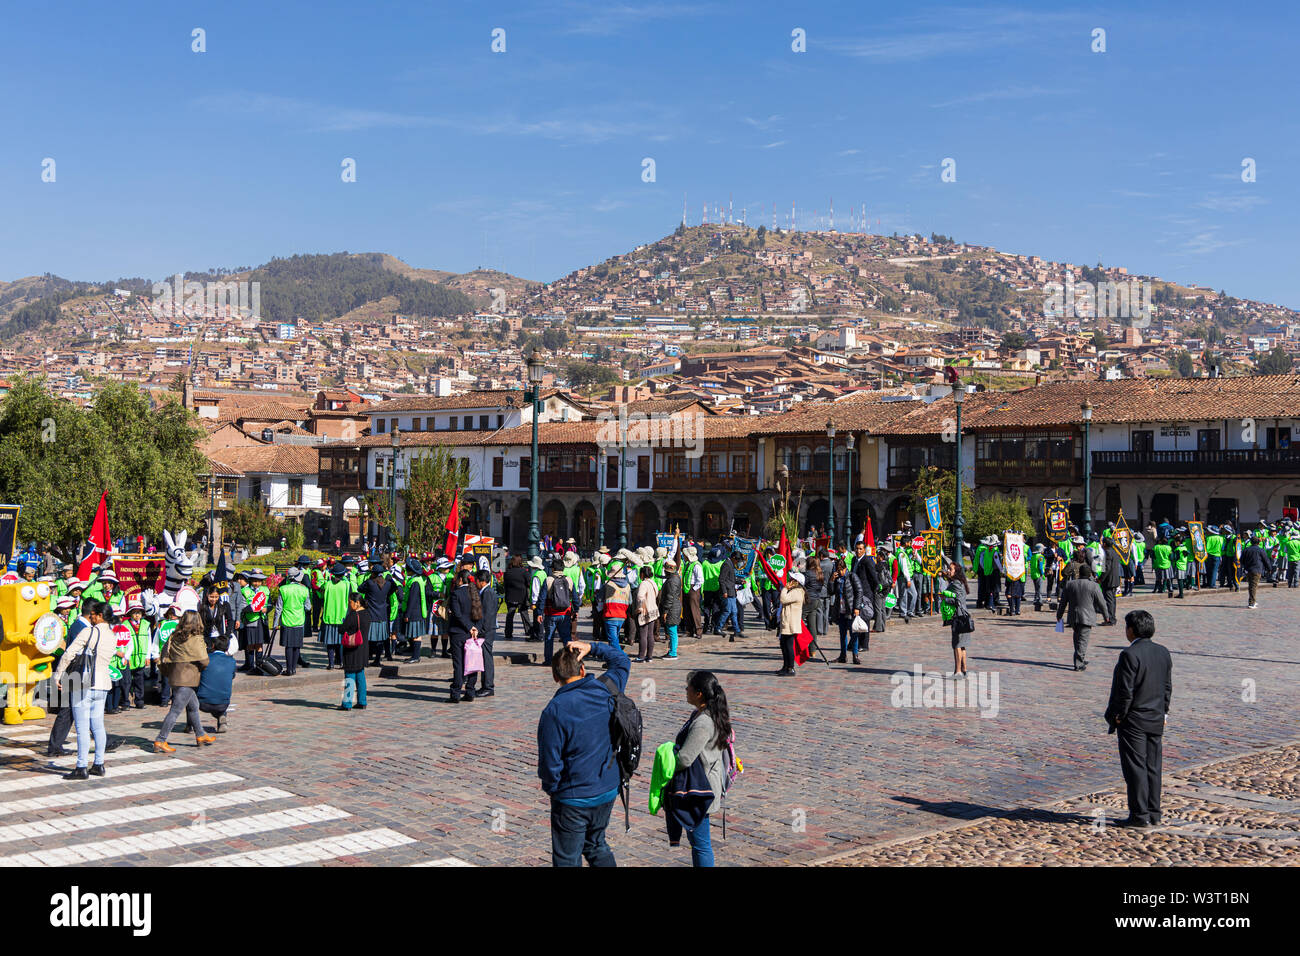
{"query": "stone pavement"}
pixel 833 763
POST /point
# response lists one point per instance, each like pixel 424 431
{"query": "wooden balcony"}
pixel 567 481
pixel 705 481
pixel 341 480
pixel 817 481
pixel 1244 461
pixel 1029 471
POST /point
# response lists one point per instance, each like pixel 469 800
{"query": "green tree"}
pixel 1276 362
pixel 431 482
pixel 932 481
pixel 1013 342
pixel 996 514
pixel 1099 340
pixel 1181 362
pixel 250 523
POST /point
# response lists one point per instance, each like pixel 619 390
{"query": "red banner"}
pixel 135 574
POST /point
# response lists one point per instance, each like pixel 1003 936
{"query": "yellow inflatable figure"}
pixel 29 637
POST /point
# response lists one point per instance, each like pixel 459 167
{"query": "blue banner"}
pixel 932 510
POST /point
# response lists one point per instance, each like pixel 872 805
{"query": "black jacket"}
pixel 865 569
pixel 1255 561
pixel 354 658
pixel 1141 687
pixel 848 595
pixel 224 621
pixel 516 586
pixel 376 591
pixel 487 627
pixel 727 579
pixel 458 612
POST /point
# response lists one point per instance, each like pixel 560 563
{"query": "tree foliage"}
pixel 431 482
pixel 932 481
pixel 996 514
pixel 1276 362
pixel 250 523
pixel 56 459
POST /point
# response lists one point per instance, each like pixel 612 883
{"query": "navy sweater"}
pixel 575 758
pixel 216 680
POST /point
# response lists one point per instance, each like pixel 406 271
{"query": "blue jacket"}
pixel 575 758
pixel 216 680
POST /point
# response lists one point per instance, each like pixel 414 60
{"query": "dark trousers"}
pixel 578 832
pixel 1252 584
pixel 787 651
pixel 457 640
pixel 554 623
pixel 164 690
pixel 489 674
pixel 1140 759
pixel 770 606
pixel 1108 594
pixel 62 726
pixel 1081 634
pixel 511 611
pixel 291 658
pixel 137 685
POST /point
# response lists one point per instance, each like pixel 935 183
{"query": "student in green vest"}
pixel 334 608
pixel 256 597
pixel 577 587
pixel 1038 574
pixel 1213 555
pixel 137 658
pixel 1291 552
pixel 1162 564
pixel 292 608
pixel 710 592
pixel 441 581
pixel 692 590
pixel 415 608
pixel 536 581
pixel 1139 557
pixel 166 627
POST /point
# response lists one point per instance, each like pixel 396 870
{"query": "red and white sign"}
pixel 918 542
pixel 258 603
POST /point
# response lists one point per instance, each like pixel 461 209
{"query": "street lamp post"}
pixel 1087 469
pixel 602 473
pixel 396 437
pixel 533 395
pixel 958 523
pixel 830 460
pixel 622 487
pixel 848 496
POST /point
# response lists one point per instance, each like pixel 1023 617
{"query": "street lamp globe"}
pixel 830 428
pixel 535 368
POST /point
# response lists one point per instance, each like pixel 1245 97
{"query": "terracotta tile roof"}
pixel 270 459
pixel 493 398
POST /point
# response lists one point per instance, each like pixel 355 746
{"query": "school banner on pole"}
pixel 668 542
pixel 1056 518
pixel 1123 539
pixel 932 511
pixel 136 573
pixel 8 533
pixel 932 551
pixel 1197 530
pixel 1013 555
pixel 749 548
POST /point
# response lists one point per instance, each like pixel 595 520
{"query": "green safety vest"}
pixel 577 585
pixel 1181 556
pixel 1291 547
pixel 1037 567
pixel 293 601
pixel 985 558
pixel 335 608
pixel 1160 555
pixel 904 565
pixel 711 572
pixel 250 616
pixel 1214 545
pixel 1139 551
pixel 1067 546
pixel 139 652
pixel 687 572
pixel 423 585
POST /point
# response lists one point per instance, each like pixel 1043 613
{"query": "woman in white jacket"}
pixel 647 613
pixel 89 694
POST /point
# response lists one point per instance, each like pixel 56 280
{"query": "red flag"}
pixel 453 528
pixel 803 646
pixel 99 541
pixel 870 538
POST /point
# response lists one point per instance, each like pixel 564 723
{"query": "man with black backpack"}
pixel 554 601
pixel 588 746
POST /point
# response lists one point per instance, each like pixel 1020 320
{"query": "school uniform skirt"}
pixel 254 634
pixel 331 634
pixel 416 628
pixel 378 632
pixel 292 636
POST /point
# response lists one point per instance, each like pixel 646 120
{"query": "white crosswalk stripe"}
pixel 76 796
pixel 445 861
pixel 313 851
pixel 178 837
pixel 37 781
pixel 7 770
pixel 140 813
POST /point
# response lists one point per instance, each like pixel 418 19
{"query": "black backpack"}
pixel 558 597
pixel 625 737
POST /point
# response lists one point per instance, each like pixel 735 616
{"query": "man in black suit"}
pixel 1139 700
pixel 864 566
pixel 487 629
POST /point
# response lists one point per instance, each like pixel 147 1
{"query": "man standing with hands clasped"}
pixel 1139 701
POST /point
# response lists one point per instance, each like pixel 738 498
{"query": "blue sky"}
pixel 531 160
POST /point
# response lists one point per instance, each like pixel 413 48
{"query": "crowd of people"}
pixel 180 654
